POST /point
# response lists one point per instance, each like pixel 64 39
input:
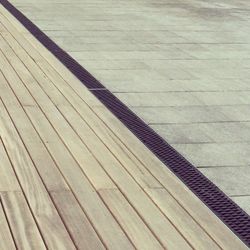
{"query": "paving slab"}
pixel 185 98
pixel 234 180
pixel 215 154
pixel 243 202
pixel 204 132
pixel 189 114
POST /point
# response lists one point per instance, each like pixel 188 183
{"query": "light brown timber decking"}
pixel 73 177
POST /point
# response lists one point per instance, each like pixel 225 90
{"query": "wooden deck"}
pixel 73 177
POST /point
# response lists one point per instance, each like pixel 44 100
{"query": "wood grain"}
pixel 6 239
pixel 23 226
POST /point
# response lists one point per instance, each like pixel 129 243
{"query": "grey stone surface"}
pixel 159 99
pixel 216 154
pixel 185 98
pixel 233 181
pixel 205 132
pixel 243 202
pixel 192 114
pixel 182 66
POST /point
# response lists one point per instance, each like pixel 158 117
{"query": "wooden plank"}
pixel 43 161
pixel 143 177
pixel 84 157
pixel 77 153
pixel 23 226
pixel 130 221
pixel 101 159
pixel 53 230
pixel 58 149
pixel 65 131
pixel 187 226
pixel 8 180
pixel 105 142
pixel 58 99
pixel 101 218
pixel 134 193
pixel 6 239
pixel 76 221
pixel 182 219
pixel 70 112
